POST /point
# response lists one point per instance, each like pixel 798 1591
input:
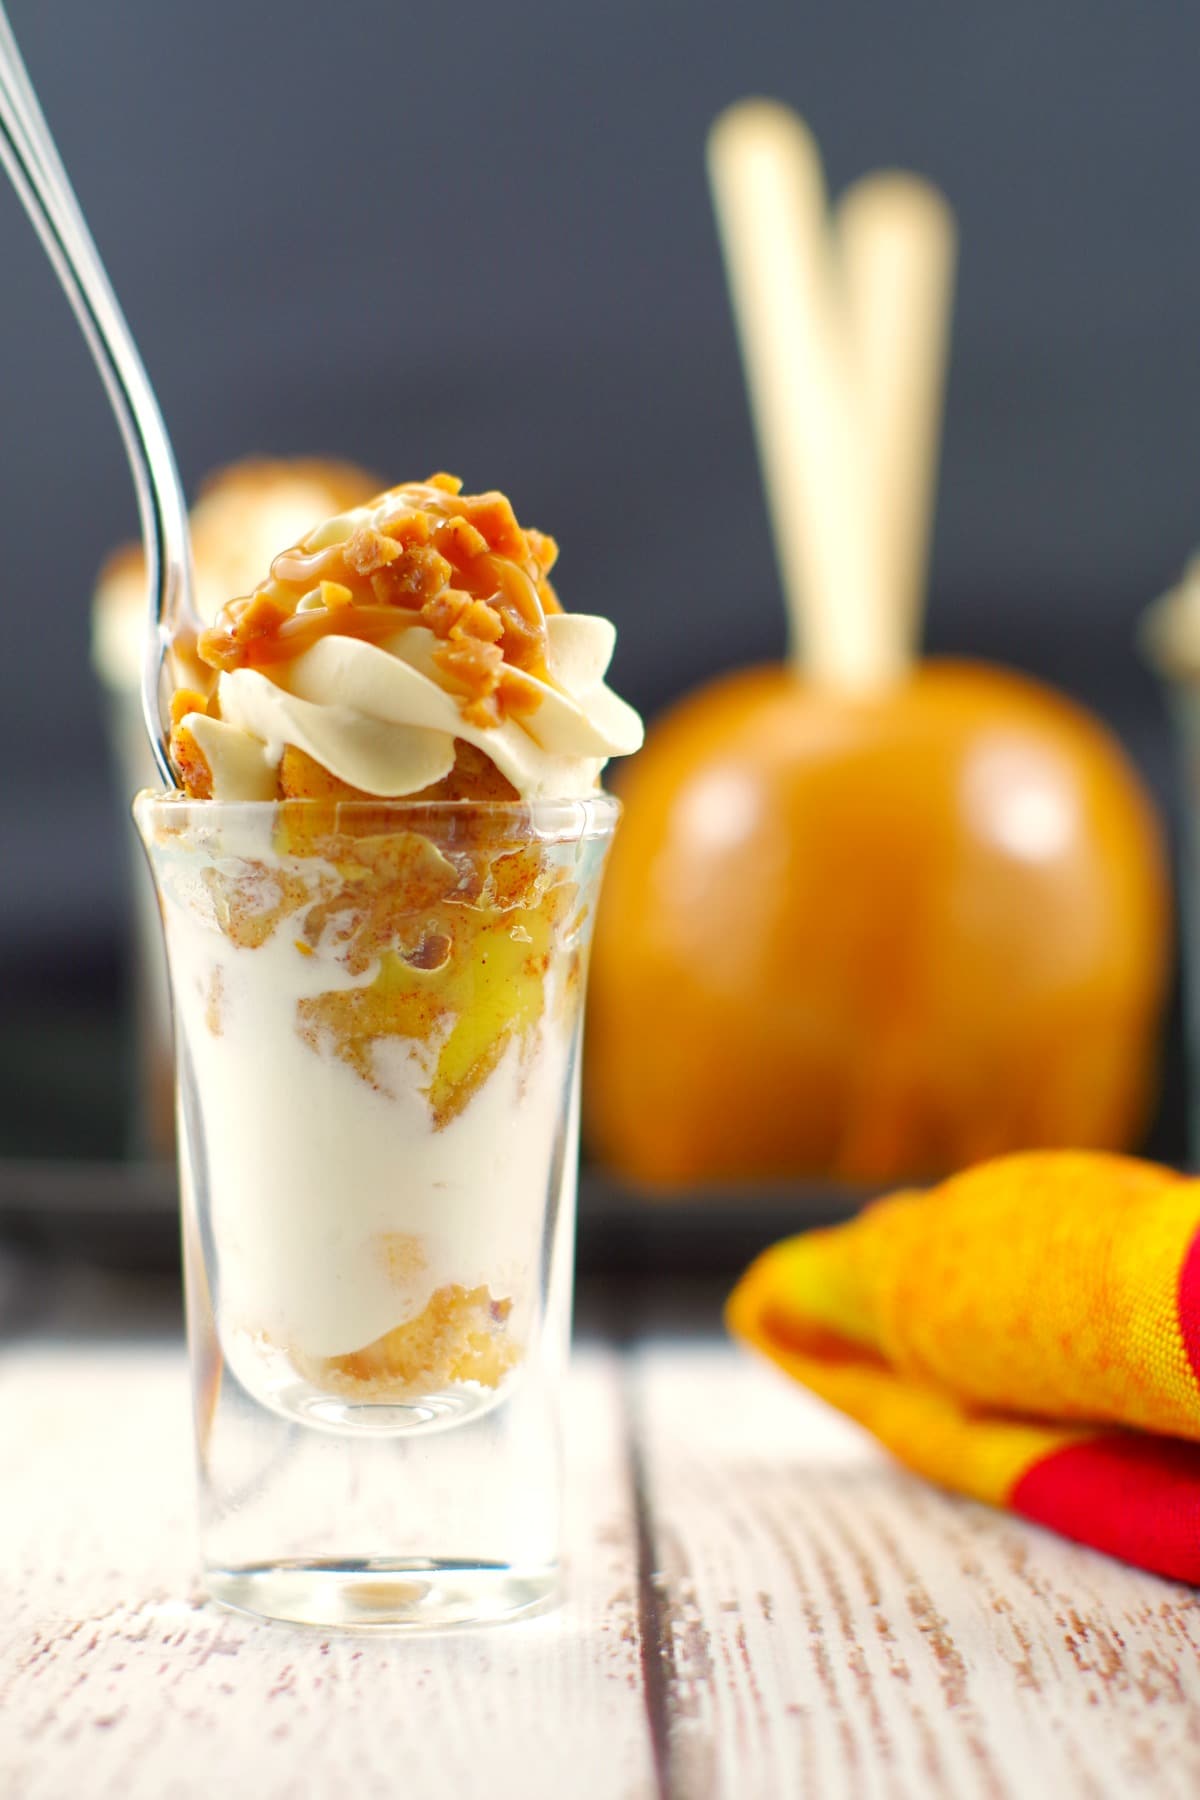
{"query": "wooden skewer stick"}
pixel 898 242
pixel 769 195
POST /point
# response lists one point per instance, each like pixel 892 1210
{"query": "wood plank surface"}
pixel 832 1627
pixel 761 1606
pixel 116 1679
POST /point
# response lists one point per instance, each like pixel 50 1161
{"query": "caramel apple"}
pixel 874 938
pixel 869 917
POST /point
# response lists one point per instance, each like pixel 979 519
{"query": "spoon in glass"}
pixel 28 154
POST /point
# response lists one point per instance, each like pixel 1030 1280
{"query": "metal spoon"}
pixel 33 164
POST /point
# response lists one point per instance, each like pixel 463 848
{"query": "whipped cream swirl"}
pixel 383 716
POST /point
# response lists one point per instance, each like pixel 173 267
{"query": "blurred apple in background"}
pixel 867 917
pixel 875 938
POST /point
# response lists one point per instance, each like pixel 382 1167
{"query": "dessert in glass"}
pixel 244 512
pixel 377 884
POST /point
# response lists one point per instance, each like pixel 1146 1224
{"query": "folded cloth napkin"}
pixel 1027 1333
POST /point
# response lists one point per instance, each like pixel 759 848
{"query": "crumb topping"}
pixel 460 1335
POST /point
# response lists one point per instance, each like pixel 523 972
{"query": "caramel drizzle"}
pixel 457 564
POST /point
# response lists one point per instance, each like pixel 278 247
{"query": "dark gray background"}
pixel 478 237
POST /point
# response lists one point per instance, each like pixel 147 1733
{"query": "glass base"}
pixel 379 1594
pixel 387 1418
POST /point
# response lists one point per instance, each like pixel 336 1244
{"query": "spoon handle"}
pixel 28 153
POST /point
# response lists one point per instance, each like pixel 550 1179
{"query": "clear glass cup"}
pixel 377 1016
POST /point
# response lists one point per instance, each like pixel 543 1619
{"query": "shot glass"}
pixel 377 1018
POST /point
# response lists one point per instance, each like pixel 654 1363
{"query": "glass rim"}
pixel 583 815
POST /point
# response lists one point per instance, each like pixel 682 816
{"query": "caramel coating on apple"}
pixel 874 939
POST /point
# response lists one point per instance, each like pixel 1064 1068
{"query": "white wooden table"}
pixel 760 1605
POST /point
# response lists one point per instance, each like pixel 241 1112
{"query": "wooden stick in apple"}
pixel 844 342
pixel 898 242
pixel 769 193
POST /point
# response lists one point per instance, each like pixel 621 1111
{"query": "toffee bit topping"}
pixel 187 758
pixel 482 621
pixel 412 576
pixel 369 550
pixel 518 696
pixel 420 554
pixel 483 714
pixel 407 527
pixel 185 701
pixel 460 540
pixel 473 665
pixel 260 617
pixel 543 549
pixel 452 610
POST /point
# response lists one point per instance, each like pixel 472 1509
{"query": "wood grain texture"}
pixel 771 1609
pixel 831 1626
pixel 116 1679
